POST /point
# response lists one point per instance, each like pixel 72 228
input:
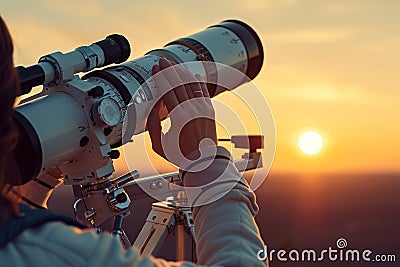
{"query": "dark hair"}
pixel 9 88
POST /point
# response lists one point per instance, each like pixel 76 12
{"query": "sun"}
pixel 310 142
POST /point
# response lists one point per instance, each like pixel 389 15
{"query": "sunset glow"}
pixel 332 65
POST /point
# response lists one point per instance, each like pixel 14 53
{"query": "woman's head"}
pixel 9 87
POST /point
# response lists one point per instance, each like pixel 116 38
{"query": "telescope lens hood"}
pixel 28 151
pixel 251 41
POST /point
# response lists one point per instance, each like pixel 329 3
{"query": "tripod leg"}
pixel 119 232
pixel 180 242
pixel 156 228
pixel 184 234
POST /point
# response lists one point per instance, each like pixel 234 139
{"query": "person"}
pixel 225 230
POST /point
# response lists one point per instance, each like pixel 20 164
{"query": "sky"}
pixel 330 66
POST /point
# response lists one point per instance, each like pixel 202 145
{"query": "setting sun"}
pixel 310 142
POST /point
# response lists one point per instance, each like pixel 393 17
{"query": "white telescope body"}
pixel 58 118
pixel 76 123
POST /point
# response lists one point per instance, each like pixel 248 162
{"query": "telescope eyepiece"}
pixel 30 77
pixel 116 49
pixel 52 68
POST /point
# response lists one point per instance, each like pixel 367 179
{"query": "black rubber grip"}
pixel 116 49
pixel 30 77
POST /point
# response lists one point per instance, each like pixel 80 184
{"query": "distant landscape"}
pixel 304 212
pixel 308 212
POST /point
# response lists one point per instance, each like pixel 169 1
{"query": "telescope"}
pixel 77 123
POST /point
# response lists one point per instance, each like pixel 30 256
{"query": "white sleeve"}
pixel 225 229
pixel 57 244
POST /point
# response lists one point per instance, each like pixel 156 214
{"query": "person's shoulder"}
pixel 50 244
pixel 72 246
pixel 55 227
pixel 63 243
pixel 56 232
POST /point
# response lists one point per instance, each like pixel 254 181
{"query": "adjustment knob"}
pixel 114 154
pixel 121 197
pixel 109 112
pixel 96 92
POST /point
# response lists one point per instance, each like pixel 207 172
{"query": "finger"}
pixel 204 88
pixel 197 90
pixel 170 100
pixel 193 83
pixel 155 131
pixel 174 79
pixel 183 73
pixel 169 97
pixel 202 85
pixel 55 172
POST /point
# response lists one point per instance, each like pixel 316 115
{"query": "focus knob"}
pixel 114 154
pixel 121 197
pixel 109 112
pixel 96 92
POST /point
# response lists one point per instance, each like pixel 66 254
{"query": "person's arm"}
pixel 224 207
pixel 225 230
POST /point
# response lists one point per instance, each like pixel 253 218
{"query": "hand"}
pixel 190 110
pixel 38 191
pixel 54 173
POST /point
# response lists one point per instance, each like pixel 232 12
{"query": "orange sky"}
pixel 330 66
